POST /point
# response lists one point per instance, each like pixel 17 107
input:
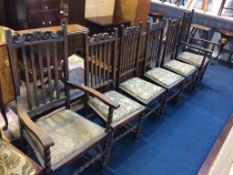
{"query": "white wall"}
pixel 96 8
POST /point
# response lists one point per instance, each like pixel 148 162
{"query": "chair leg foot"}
pixel 107 150
pixel 163 103
pixel 139 128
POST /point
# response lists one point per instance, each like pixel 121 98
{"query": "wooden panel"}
pixel 43 5
pixel 127 9
pixel 24 14
pixel 76 11
pixel 99 8
pixel 5 76
pixel 2 13
pixel 142 12
pixel 134 10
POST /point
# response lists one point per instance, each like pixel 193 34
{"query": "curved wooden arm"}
pixel 40 134
pixel 195 47
pixel 95 93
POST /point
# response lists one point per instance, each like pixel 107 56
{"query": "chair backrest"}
pixel 172 39
pixel 154 39
pixel 101 60
pixel 129 52
pixel 42 68
pixel 186 25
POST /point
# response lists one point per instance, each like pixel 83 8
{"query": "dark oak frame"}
pixel 128 67
pixel 101 65
pixel 184 44
pixel 27 124
pixel 154 42
pixel 170 48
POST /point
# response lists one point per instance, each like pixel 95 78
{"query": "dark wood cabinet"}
pixel 76 11
pixel 26 14
pixel 2 13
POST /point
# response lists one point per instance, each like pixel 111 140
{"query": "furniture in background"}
pixel 6 86
pixel 13 161
pixel 79 10
pixel 223 7
pixel 2 13
pixel 76 11
pixel 26 14
pixel 177 2
pixel 156 16
pixel 49 142
pixel 213 21
pixel 103 24
pixel 226 36
pixel 138 11
pixel 204 32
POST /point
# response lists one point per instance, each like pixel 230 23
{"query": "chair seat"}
pixel 141 89
pixel 183 69
pixel 127 107
pixel 191 58
pixel 164 77
pixel 12 161
pixel 75 61
pixel 71 133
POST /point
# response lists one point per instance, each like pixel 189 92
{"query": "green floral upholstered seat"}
pixel 127 107
pixel 71 133
pixel 141 89
pixel 191 58
pixel 164 77
pixel 13 162
pixel 183 69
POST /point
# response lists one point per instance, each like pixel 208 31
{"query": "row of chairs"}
pixel 122 88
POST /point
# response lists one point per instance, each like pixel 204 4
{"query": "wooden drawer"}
pixel 36 20
pixel 53 18
pixel 33 6
pixel 44 18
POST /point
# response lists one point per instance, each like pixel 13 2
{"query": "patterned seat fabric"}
pixel 70 132
pixel 164 77
pixel 12 161
pixel 183 69
pixel 191 58
pixel 127 106
pixel 141 89
pixel 75 62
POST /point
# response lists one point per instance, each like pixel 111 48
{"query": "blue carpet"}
pixel 181 141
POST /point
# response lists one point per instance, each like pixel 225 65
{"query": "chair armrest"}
pixel 94 93
pixel 40 134
pixel 203 40
pixel 198 48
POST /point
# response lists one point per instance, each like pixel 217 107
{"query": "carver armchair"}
pixel 56 134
